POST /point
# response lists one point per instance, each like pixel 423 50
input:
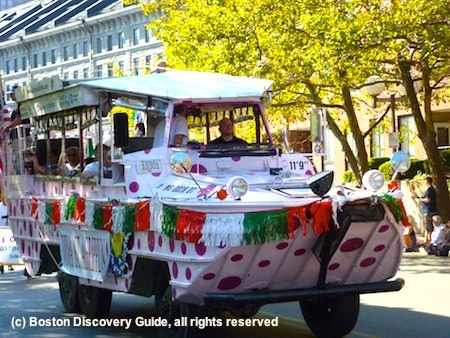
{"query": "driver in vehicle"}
pixel 227 137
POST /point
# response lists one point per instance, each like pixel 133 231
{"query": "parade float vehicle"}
pixel 197 226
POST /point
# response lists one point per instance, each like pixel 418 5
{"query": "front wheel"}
pixel 94 302
pixel 332 316
pixel 68 290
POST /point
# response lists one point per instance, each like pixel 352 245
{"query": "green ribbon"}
pixel 98 216
pixel 129 219
pixel 48 213
pixel 393 205
pixel 262 227
pixel 70 209
pixel 170 220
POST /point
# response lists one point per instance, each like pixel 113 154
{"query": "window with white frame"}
pixel 135 36
pixel 109 43
pixel 121 42
pixel 442 134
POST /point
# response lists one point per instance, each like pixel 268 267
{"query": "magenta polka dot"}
pixel 134 186
pixel 172 245
pixel 156 174
pixel 282 245
pixel 199 168
pixel 236 258
pixel 383 228
pixel 22 246
pixel 333 266
pixel 229 283
pixel 308 172
pixel 367 262
pixel 175 270
pixel 188 274
pixel 264 263
pixel 29 250
pixel 147 151
pixel 160 241
pixel 183 248
pixel 351 244
pixel 151 241
pixel 200 248
pixel 379 248
pixel 209 276
pixel 31 231
pixel 299 252
pixel 138 244
pixel 174 293
pixel 222 245
pixel 236 158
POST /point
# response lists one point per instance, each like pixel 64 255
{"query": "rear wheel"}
pixel 94 302
pixel 68 290
pixel 331 317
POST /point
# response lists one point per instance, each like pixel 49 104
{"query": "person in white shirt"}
pixel 178 129
pixel 91 170
pixel 439 236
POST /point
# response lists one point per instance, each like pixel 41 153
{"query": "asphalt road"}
pixel 420 309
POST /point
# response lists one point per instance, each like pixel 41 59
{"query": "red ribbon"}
pixel 80 210
pixel 107 218
pixel 190 225
pixel 143 216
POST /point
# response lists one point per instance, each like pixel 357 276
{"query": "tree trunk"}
pixel 427 135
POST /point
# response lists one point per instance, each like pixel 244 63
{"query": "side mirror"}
pixel 321 183
pixel 180 163
pixel 121 130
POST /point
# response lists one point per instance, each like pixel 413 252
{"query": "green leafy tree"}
pixel 318 53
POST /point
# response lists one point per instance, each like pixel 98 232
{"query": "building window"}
pixel 109 43
pixel 377 141
pixel 24 63
pixel 35 60
pixel 443 134
pixel 85 73
pixel 85 48
pixel 66 76
pixel 110 70
pixel 44 58
pixel 121 66
pixel 135 36
pixel 75 51
pixel 121 39
pixel 8 67
pixel 99 71
pixel 99 45
pixel 136 66
pixel 407 137
pixel 16 65
pixel 53 56
pixel 66 53
pixel 148 35
pixel 148 61
pixel 75 74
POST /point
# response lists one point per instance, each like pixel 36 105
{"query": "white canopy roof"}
pixel 185 85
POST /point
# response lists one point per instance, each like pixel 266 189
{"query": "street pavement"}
pixel 420 309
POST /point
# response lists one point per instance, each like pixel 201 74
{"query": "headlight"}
pixel 237 187
pixel 373 180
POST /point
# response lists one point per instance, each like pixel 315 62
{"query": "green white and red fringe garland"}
pixel 191 226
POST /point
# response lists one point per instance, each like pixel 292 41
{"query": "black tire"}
pixel 331 317
pixel 94 302
pixel 170 310
pixel 68 291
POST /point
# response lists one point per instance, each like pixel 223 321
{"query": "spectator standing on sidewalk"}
pixel 429 208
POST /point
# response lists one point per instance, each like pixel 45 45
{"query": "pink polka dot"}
pixel 282 245
pixel 188 274
pixel 151 241
pixel 200 248
pixel 236 158
pixel 171 245
pixel 201 169
pixel 296 223
pixel 383 228
pixel 236 258
pixel 156 174
pixel 367 262
pixel 134 186
pixel 229 283
pixel 308 173
pixel 147 151
pixel 183 248
pixel 333 266
pixel 351 244
pixel 299 252
pixel 160 241
pixel 264 263
pixel 139 244
pixel 209 276
pixel 222 245
pixel 175 270
pixel 379 248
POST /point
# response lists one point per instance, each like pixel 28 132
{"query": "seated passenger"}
pixel 91 170
pixel 51 168
pixel 73 161
pixel 139 130
pixel 178 130
pixel 227 137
